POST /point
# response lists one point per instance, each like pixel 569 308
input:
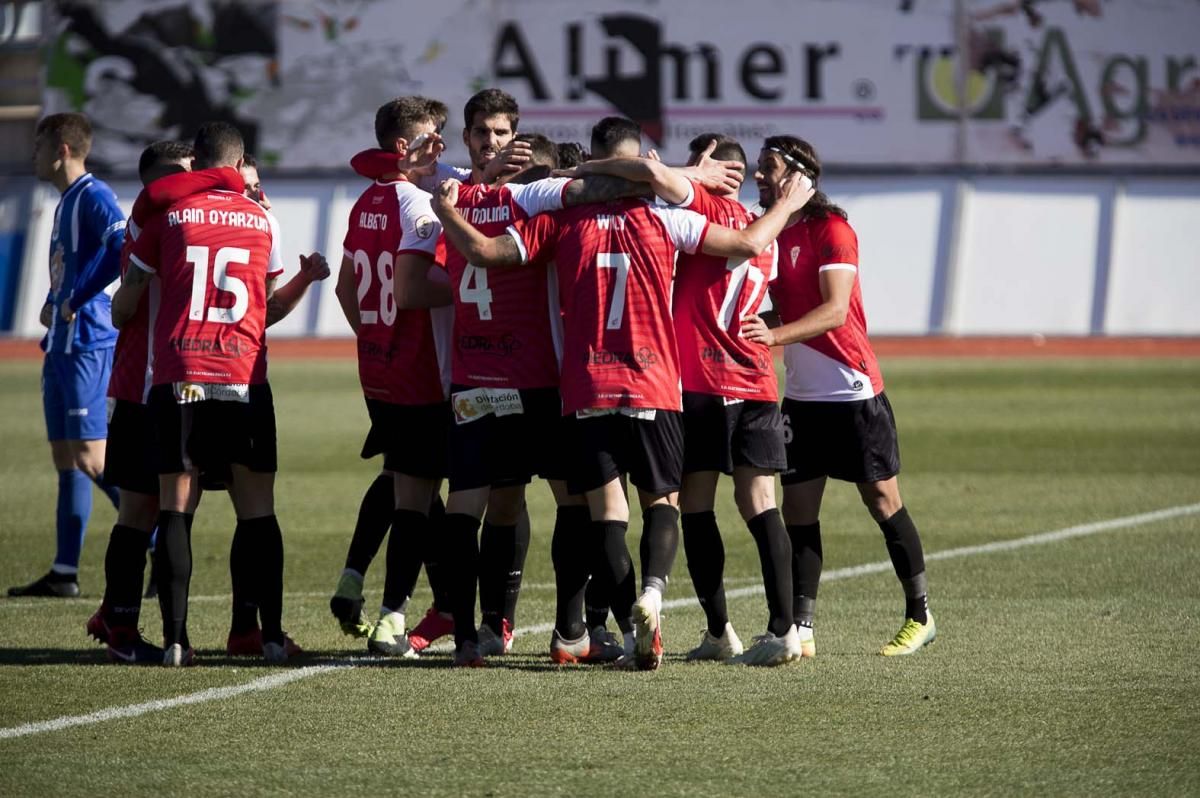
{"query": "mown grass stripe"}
pixel 287 677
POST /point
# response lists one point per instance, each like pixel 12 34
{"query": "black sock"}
pixel 620 568
pixel 705 553
pixel 409 538
pixel 374 519
pixel 806 570
pixel 174 555
pixel 124 572
pixel 264 542
pixel 598 594
pixel 243 573
pixel 496 551
pixel 569 552
pixel 516 568
pixel 775 557
pixel 660 542
pixel 433 554
pixel 463 549
pixel 908 560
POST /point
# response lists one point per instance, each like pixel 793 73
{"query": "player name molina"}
pixel 251 221
pixel 500 213
pixel 642 358
pixel 230 347
pixel 715 354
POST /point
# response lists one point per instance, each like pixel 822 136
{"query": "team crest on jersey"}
pixel 464 409
pixel 424 226
pixel 57 268
pixel 795 253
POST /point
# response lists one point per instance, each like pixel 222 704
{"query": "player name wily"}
pixel 253 221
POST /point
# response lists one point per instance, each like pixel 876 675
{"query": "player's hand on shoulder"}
pixel 314 267
pixel 754 329
pixel 511 159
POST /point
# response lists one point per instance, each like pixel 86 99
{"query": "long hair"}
pixel 801 157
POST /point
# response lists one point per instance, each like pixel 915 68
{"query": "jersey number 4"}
pixel 222 281
pixel 385 266
pixel 473 290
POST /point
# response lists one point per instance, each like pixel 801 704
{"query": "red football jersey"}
pixel 403 355
pixel 615 263
pixel 212 252
pixel 840 365
pixel 133 360
pixel 132 364
pixel 503 329
pixel 712 295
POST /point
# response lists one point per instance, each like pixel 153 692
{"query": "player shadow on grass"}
pixel 52 656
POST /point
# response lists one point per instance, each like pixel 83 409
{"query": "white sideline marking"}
pixel 133 710
pixel 280 679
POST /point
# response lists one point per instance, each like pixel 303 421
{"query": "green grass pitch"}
pixel 1068 667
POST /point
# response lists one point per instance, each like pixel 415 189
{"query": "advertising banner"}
pixel 869 82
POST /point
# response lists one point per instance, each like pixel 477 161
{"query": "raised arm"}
pixel 672 184
pixel 313 268
pixel 478 249
pixel 726 242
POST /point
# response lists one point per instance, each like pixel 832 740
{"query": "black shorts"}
pixel 214 434
pixel 130 458
pixel 413 439
pixel 500 451
pixel 851 441
pixel 718 436
pixel 603 447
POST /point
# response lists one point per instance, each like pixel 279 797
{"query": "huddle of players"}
pixel 191 405
pixel 588 328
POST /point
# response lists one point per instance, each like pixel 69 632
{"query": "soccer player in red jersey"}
pixel 490 122
pixel 620 374
pixel 839 420
pixel 731 417
pixel 245 635
pixel 214 253
pixel 396 298
pixel 130 458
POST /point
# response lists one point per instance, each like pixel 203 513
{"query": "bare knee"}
pixel 882 499
pixel 505 506
pixel 138 510
pixel 753 492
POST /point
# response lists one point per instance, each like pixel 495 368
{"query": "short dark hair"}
pixel 727 149
pixel 611 131
pixel 71 129
pixel 571 154
pixel 396 118
pixel 248 159
pixel 545 151
pixel 491 102
pixel 163 152
pixel 218 144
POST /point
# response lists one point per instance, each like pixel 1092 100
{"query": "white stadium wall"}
pixel 939 255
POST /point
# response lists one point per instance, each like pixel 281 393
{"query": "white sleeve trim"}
pixel 512 231
pixel 275 260
pixel 136 261
pixel 687 201
pixel 540 196
pixel 112 228
pixel 684 227
pixel 838 267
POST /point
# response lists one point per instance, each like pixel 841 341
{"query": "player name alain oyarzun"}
pixel 253 221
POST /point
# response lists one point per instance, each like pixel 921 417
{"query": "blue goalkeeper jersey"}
pixel 85 257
